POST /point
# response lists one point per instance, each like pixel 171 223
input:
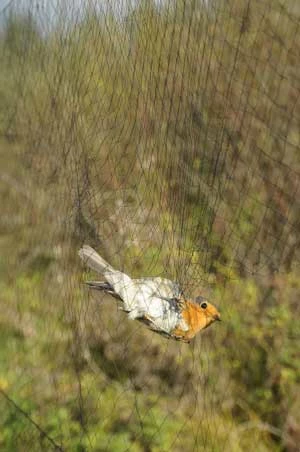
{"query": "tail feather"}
pixel 103 286
pixel 120 283
pixel 92 259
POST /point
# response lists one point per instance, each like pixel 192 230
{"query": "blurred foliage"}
pixel 76 108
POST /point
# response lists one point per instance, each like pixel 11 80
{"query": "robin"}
pixel 157 302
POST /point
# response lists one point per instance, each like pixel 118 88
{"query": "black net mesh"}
pixel 165 134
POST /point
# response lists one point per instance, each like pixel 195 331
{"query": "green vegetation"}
pixel 169 140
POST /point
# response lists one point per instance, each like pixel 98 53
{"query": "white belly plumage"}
pixel 152 298
pixel 145 297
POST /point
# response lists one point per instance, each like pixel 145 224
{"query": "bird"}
pixel 157 302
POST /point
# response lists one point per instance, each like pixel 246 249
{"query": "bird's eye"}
pixel 203 305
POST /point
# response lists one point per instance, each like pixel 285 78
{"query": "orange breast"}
pixel 195 318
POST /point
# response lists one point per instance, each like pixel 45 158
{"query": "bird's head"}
pixel 209 310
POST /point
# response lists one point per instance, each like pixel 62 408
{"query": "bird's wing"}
pixel 162 287
pixel 154 298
